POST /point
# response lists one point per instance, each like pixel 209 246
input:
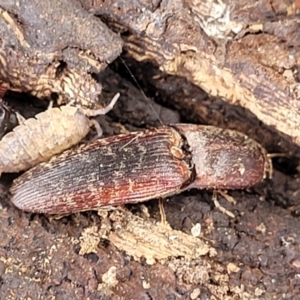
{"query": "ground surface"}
pixel 256 255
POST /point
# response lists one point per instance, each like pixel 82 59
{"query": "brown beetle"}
pixel 136 167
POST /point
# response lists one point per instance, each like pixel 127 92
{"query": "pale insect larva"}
pixel 51 132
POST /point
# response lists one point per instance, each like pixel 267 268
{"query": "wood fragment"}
pixel 50 50
pixel 231 49
pixel 153 241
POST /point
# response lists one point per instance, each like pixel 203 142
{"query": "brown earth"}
pixel 127 253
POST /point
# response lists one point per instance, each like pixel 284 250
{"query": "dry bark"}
pixel 50 49
pixel 244 52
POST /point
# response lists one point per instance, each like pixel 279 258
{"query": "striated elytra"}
pixel 139 166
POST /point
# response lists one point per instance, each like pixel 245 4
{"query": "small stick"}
pixel 162 212
pixel 227 197
pixel 219 206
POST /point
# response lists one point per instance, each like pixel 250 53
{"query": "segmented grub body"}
pixel 39 138
pixel 140 166
pixel 49 133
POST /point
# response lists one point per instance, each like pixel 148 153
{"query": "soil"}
pixel 255 255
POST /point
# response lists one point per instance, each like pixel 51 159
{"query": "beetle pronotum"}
pixel 136 167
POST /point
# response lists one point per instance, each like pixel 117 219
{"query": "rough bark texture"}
pixel 256 255
pixel 245 52
pixel 50 49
